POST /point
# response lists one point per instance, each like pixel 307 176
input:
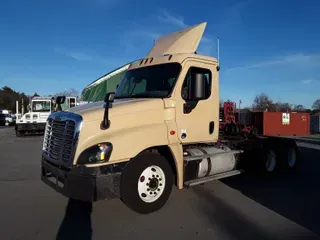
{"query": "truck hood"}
pixel 95 111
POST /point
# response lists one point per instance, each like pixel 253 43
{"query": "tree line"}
pixel 8 98
pixel 263 102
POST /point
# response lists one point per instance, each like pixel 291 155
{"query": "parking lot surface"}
pixel 242 207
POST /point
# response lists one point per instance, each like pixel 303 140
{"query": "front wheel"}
pixel 146 183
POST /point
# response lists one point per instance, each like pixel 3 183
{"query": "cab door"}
pixel 197 121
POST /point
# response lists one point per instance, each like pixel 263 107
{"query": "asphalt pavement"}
pixel 242 207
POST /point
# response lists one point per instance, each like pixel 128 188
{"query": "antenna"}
pixel 218 48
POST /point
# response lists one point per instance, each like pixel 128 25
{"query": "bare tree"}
pixel 299 108
pixel 69 93
pixel 284 107
pixel 262 102
pixel 316 104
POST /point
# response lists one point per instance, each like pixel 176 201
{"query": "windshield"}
pixel 41 106
pixel 149 82
pixel 2 115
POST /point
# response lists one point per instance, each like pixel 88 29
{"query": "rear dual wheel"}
pixel 271 161
pixel 290 157
pixel 280 155
pixel 268 160
pixel 146 183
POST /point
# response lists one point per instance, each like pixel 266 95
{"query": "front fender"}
pixel 129 134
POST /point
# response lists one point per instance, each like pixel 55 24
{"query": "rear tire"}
pixel 268 162
pixel 146 183
pixel 271 161
pixel 290 157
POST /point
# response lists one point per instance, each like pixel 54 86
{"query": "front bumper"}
pixel 82 183
pixel 30 126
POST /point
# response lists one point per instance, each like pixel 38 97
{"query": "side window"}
pixel 186 83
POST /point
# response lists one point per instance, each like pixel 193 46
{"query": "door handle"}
pixel 211 127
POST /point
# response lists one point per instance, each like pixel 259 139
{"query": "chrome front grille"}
pixel 61 136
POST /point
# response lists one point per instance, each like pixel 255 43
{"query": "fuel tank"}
pixel 217 163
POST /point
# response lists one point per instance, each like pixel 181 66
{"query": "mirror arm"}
pixel 188 106
pixel 105 124
pixel 109 98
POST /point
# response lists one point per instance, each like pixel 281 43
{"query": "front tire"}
pixel 146 183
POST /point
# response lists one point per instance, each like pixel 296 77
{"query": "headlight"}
pixel 96 154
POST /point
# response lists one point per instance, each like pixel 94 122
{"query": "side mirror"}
pixel 117 86
pixel 109 98
pixel 60 100
pixel 197 90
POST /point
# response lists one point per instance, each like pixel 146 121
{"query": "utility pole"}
pixel 22 107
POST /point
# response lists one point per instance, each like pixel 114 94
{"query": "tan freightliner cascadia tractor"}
pixel 160 128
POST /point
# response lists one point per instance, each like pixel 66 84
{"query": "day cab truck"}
pixel 160 128
pixel 39 110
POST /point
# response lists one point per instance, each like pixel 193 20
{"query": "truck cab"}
pixel 160 128
pixel 35 119
pixel 38 111
pixel 70 102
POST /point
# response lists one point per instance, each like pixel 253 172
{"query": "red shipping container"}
pixel 286 124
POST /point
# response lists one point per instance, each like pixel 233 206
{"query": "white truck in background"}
pixel 38 111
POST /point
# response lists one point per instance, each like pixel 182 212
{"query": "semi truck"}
pixel 158 130
pixel 38 111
